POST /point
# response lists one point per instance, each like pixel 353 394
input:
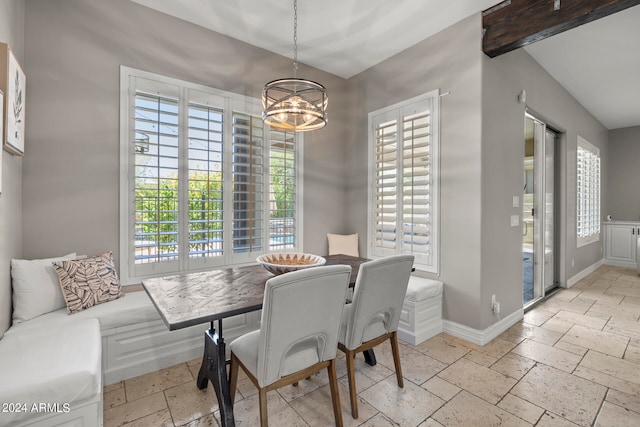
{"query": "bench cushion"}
pixel 421 289
pixel 133 308
pixel 52 366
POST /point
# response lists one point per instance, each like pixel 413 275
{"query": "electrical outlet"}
pixel 495 305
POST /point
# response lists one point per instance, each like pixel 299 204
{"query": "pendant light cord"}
pixel 295 37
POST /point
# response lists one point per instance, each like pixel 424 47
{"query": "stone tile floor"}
pixel 573 360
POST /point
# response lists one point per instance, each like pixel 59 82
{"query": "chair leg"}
pixel 335 396
pixel 233 377
pixel 262 396
pixel 396 358
pixel 351 375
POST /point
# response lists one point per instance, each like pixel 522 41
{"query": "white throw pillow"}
pixel 36 290
pixel 340 244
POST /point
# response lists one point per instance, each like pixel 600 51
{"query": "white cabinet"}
pixel 620 243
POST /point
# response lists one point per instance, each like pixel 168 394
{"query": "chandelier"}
pixel 294 104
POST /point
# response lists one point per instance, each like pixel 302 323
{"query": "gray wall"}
pixel 502 154
pixel 12 33
pixel 74 49
pixel 450 61
pixel 482 150
pixel 623 188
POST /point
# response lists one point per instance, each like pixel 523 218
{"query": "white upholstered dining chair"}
pixel 298 335
pixel 373 315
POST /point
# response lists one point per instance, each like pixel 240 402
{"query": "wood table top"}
pixel 189 299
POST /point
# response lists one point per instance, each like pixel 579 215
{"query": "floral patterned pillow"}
pixel 88 281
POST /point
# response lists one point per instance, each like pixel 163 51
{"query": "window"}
pixel 403 199
pixel 204 182
pixel 588 193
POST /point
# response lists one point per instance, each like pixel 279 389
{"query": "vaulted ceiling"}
pixel 595 62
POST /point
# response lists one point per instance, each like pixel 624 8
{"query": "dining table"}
pixel 190 299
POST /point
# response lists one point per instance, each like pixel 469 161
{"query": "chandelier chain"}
pixel 295 37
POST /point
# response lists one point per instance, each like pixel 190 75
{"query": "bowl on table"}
pixel 287 262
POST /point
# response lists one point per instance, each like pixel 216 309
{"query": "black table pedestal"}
pixel 214 369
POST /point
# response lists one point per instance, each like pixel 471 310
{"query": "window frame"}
pixel 187 93
pixel 391 112
pixel 595 236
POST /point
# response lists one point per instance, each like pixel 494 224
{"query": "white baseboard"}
pixel 584 273
pixel 485 336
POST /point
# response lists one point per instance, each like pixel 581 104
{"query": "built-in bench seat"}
pixel 421 316
pixel 51 376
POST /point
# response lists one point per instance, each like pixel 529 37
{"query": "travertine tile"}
pixel 552 420
pixel 580 319
pixel 551 356
pixel 381 420
pixel 557 325
pixel 571 348
pixel 114 397
pixel 477 379
pixel 468 410
pixel 316 408
pixel 613 366
pixel 538 316
pixel 624 400
pixel 603 342
pixel 416 367
pixel 114 386
pixel 628 328
pixel 513 365
pixel 187 403
pixel 442 349
pixel 521 408
pixel 607 380
pixel 133 410
pixel 158 419
pixel 247 412
pixel 154 382
pixel 407 406
pixel 571 397
pixel 534 333
pixel 429 422
pixel 614 416
pixel 208 420
pixel 441 388
pixel 632 354
pixel 492 352
pixel 579 305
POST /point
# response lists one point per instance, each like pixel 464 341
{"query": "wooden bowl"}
pixel 287 262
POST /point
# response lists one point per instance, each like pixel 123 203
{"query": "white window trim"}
pixel 433 95
pixel 595 237
pixel 126 246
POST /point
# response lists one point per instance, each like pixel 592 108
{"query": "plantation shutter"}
pixel 386 187
pixel 205 181
pixel 282 190
pixel 588 190
pixel 416 185
pixel 248 197
pixel 404 180
pixel 155 182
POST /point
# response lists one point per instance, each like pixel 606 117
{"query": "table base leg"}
pixel 214 369
pixel 369 357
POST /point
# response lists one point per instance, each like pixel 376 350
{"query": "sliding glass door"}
pixel 538 211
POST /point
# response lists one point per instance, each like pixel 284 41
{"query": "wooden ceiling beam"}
pixel 516 23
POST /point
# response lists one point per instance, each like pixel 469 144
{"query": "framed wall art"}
pixel 12 83
pixel 1 133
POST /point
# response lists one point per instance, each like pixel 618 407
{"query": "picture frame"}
pixel 13 84
pixel 1 133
